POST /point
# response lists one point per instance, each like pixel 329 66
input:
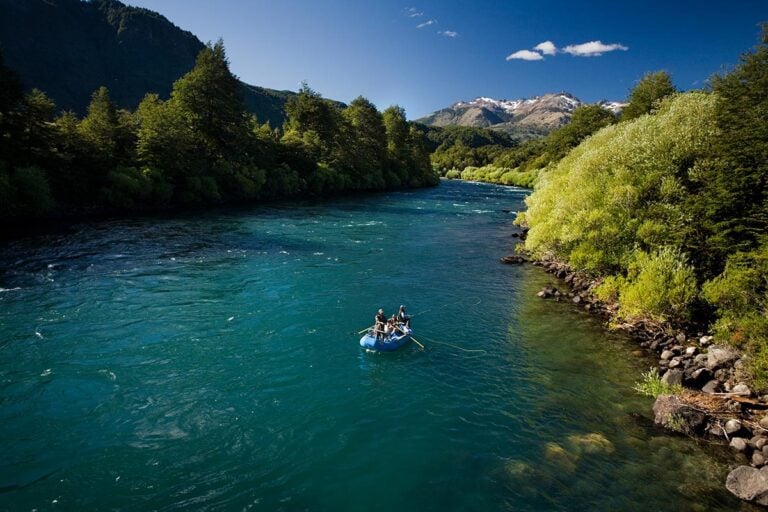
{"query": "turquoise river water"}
pixel 210 362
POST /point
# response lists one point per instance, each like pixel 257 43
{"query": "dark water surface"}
pixel 210 362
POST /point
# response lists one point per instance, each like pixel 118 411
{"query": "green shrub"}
pixel 740 295
pixel 659 286
pixel 652 385
pixel 31 193
pixel 620 188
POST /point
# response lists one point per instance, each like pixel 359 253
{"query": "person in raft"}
pixel 379 322
pixel 402 318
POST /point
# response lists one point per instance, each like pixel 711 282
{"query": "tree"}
pixel 369 151
pixel 586 120
pixel 209 97
pixel 11 99
pixel 397 131
pixel 311 117
pixel 165 141
pixel 644 98
pixel 732 201
pixel 109 132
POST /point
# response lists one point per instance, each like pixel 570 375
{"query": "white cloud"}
pixel 448 33
pixel 525 55
pixel 426 23
pixel 593 49
pixel 413 12
pixel 547 48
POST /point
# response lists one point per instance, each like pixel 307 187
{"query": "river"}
pixel 209 361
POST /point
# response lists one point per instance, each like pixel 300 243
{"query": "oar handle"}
pixel 414 339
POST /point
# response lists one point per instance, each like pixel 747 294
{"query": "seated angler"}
pixel 402 318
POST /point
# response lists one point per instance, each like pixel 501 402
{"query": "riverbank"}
pixel 709 398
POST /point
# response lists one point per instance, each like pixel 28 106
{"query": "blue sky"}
pixel 425 55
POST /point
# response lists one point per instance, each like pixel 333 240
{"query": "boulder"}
pixel 697 377
pixel 759 443
pixel 758 460
pixel 577 299
pixel 680 338
pixel 764 422
pixel 732 426
pixel 741 390
pixel 705 340
pixel 719 356
pixel 513 259
pixel 701 359
pixel 749 484
pixel 672 412
pixel 711 386
pixel 739 444
pixel 691 351
pixel 673 377
pixel 675 362
pixel 667 354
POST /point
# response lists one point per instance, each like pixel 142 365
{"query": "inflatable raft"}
pixel 386 344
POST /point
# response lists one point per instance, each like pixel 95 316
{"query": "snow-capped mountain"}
pixel 539 114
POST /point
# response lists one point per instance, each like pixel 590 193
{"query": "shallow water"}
pixel 210 362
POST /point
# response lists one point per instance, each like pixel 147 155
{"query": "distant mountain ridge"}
pixel 537 115
pixel 69 48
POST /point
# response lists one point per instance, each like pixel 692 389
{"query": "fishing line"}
pixel 471 350
pixel 479 300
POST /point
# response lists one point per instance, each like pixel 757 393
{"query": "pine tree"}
pixel 210 98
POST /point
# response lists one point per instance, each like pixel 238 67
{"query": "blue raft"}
pixel 386 344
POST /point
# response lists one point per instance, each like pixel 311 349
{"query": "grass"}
pixel 652 385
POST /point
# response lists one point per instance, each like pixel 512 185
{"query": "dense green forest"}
pixel 668 207
pixel 69 48
pixel 199 147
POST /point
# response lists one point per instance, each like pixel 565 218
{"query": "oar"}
pixel 366 329
pixel 414 339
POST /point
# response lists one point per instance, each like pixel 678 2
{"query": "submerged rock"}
pixel 547 292
pixel 749 484
pixel 557 454
pixel 513 259
pixel 593 442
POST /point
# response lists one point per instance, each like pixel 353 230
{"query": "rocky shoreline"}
pixel 716 402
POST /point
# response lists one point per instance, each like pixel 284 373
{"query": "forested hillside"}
pixel 70 48
pixel 668 207
pixel 198 147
